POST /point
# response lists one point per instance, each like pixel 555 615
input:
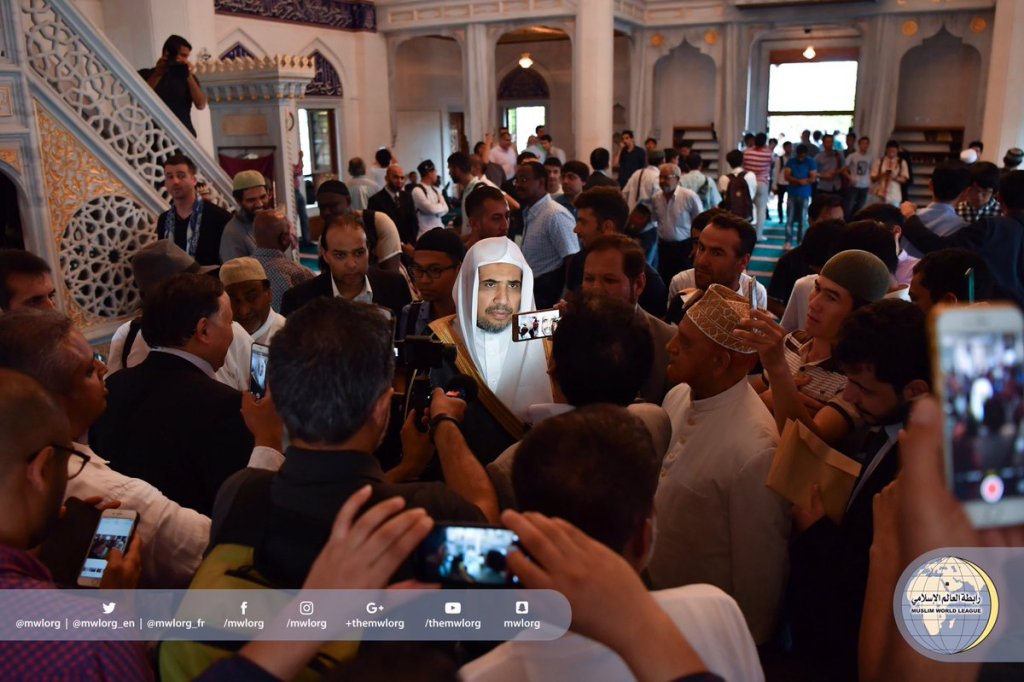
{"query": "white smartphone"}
pixel 537 324
pixel 978 365
pixel 114 531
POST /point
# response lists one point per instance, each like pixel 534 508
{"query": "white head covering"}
pixel 515 372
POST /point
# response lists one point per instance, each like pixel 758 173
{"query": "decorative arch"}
pixel 237 51
pixel 523 84
pixel 327 82
pixel 239 37
pixel 959 64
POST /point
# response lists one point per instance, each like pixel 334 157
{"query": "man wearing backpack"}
pixel 738 188
pixel 696 181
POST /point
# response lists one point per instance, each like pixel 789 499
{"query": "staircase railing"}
pixel 79 67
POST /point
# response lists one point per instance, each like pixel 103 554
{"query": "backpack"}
pixel 737 198
pixel 704 192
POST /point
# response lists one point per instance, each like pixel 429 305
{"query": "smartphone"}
pixel 538 324
pixel 978 365
pixel 258 360
pixel 114 531
pixel 465 556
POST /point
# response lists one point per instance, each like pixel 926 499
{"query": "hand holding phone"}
pixel 114 533
pixel 258 359
pixel 978 365
pixel 465 556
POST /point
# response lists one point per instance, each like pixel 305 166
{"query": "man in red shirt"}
pixel 758 160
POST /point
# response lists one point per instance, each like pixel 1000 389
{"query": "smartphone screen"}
pixel 466 556
pixel 982 385
pixel 539 324
pixel 258 370
pixel 113 532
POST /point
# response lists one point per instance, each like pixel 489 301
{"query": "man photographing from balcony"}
pixel 173 78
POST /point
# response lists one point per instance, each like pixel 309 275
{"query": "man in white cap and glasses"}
pixel 151 265
pixel 493 284
pixel 717 523
pixel 250 191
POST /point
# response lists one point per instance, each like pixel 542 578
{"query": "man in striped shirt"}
pixel 758 160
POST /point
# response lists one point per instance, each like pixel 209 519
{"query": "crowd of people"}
pixel 629 451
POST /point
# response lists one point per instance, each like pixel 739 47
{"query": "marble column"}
pixel 480 83
pixel 1004 96
pixel 593 61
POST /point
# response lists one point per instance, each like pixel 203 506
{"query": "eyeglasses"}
pixel 433 272
pixel 81 459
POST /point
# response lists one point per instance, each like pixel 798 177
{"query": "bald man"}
pixel 273 237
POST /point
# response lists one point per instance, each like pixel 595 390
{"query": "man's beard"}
pixel 495 327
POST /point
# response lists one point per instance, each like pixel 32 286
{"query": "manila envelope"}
pixel 803 459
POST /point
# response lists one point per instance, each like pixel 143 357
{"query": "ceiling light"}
pixel 525 61
pixel 809 53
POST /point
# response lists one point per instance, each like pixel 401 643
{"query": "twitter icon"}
pixel 109 608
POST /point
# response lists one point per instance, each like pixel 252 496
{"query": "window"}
pixel 811 96
pixel 522 122
pixel 317 135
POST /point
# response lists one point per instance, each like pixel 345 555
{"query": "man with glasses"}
pixel 47 347
pixel 435 265
pixel 34 470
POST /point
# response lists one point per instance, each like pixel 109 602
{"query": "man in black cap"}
pixel 1011 162
pixel 435 265
pixel 427 198
pixel 334 200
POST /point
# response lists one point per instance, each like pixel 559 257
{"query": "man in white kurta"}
pixel 717 523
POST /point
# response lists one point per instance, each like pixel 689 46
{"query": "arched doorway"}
pixel 685 93
pixel 534 73
pixel 429 102
pixel 944 59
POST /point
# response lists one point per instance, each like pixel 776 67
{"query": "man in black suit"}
pixel 168 421
pixel 195 225
pixel 396 203
pixel 344 249
pixel 599 160
pixel 883 350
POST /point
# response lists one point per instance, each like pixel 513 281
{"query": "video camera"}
pixel 423 353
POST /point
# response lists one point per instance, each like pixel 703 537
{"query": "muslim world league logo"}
pixel 949 605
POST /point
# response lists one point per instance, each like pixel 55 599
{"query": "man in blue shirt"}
pixel 947 184
pixel 801 173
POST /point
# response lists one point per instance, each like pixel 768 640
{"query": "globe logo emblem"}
pixel 949 605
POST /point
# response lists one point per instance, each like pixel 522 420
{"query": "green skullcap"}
pixel 862 274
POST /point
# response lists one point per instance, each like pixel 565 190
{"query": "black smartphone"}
pixel 258 360
pixel 466 556
pixel 537 324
